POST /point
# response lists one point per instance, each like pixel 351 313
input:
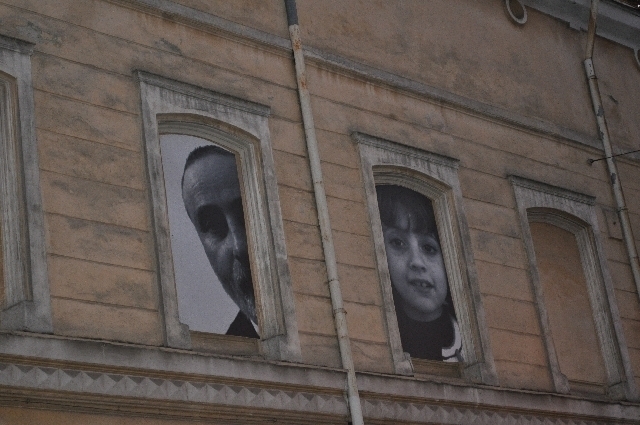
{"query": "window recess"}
pixel 26 303
pixel 552 214
pixel 176 114
pixel 434 177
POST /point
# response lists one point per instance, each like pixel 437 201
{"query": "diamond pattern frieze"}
pixel 196 392
pixel 426 413
pixel 113 384
pixel 45 378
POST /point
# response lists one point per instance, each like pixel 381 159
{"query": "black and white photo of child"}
pixel 424 308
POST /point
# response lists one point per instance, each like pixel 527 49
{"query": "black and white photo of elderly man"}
pixel 213 201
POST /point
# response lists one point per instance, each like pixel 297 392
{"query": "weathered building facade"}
pixel 483 108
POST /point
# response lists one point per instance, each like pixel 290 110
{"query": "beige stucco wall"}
pixel 539 64
pixel 96 194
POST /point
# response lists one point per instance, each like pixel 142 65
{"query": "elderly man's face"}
pixel 212 198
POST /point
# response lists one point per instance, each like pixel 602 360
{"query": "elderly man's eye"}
pixel 211 220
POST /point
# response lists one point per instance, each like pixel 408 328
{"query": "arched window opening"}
pixel 422 299
pixel 208 237
pixel 573 291
pixel 224 282
pixel 433 306
pixel 566 298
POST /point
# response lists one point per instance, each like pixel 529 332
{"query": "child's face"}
pixel 417 270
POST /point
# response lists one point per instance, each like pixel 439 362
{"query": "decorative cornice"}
pixel 79 384
pixel 164 363
pixel 446 413
pixel 615 22
pixel 204 94
pixel 391 146
pixel 74 389
pixel 421 400
pixel 98 376
pixel 552 190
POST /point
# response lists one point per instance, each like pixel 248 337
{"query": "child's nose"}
pixel 417 260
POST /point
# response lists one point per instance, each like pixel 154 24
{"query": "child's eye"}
pixel 430 249
pixel 396 243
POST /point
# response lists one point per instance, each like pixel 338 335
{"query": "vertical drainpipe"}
pixel 339 313
pixel 606 142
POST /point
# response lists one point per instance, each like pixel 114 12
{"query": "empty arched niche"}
pixel 573 290
pixel 563 254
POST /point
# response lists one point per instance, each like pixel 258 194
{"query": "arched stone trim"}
pixel 575 213
pixel 241 127
pixel 435 176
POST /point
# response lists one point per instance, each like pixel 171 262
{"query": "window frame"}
pixel 27 303
pixel 240 126
pixel 575 212
pixel 434 176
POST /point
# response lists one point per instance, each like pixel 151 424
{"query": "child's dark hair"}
pixel 394 200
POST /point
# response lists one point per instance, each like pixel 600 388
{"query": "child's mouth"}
pixel 420 283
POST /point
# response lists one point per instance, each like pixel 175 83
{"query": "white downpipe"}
pixel 339 312
pixel 606 142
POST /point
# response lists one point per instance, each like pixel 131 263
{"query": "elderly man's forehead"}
pixel 211 179
pixel 212 157
pixel 211 163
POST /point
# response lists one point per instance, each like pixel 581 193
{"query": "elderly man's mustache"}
pixel 239 286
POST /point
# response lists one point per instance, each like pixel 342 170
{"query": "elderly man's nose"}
pixel 238 238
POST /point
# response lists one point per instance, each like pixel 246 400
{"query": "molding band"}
pixel 552 190
pixel 388 145
pixel 204 94
pixel 103 377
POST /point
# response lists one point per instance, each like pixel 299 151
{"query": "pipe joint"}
pixel 590 70
pixel 341 311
